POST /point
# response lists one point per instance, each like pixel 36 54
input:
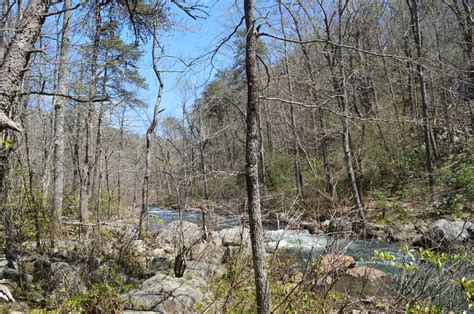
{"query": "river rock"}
pixel 138 247
pixel 168 294
pixel 11 274
pixel 367 273
pixel 161 263
pixel 312 227
pixel 156 252
pixel 444 232
pixel 236 236
pixel 405 232
pixel 377 231
pixel 206 270
pixel 337 225
pixel 209 251
pixel 335 263
pixel 61 280
pixel 176 231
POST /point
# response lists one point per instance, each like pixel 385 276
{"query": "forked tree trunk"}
pixel 252 155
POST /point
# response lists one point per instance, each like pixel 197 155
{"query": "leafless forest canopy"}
pixel 359 110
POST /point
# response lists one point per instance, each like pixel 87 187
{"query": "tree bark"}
pixel 424 101
pixel 16 58
pixel 296 151
pixel 58 158
pixel 339 82
pixel 149 137
pixel 330 186
pixel 88 163
pixel 252 152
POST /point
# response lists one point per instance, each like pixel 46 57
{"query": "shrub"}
pixel 101 298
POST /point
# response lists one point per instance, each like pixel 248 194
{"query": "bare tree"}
pixel 414 10
pixel 58 158
pixel 88 163
pixel 149 138
pixel 252 153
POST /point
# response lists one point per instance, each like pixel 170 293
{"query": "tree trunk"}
pixel 12 70
pixel 330 186
pixel 88 162
pixel 424 101
pixel 119 172
pixel 16 58
pixel 252 151
pixel 296 151
pixel 3 28
pixel 58 158
pixel 149 136
pixel 339 82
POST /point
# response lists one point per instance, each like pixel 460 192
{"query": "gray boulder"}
pixel 168 294
pixel 176 232
pixel 444 232
pixel 337 226
pixel 161 263
pixel 236 236
pixel 367 273
pixel 405 232
pixel 377 231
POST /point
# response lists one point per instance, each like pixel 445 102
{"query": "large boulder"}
pixel 176 232
pixel 377 231
pixel 367 273
pixel 62 280
pixel 206 270
pixel 168 294
pixel 405 232
pixel 236 236
pixel 161 263
pixel 444 232
pixel 209 251
pixel 337 226
pixel 336 263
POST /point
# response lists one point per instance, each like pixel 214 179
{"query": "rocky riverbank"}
pixel 145 270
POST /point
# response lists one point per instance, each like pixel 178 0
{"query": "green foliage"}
pixel 383 255
pixel 101 298
pixel 464 181
pixel 281 173
pixel 467 285
pixel 458 183
pixel 423 307
pixel 424 271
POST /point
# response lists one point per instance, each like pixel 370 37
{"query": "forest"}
pixel 314 157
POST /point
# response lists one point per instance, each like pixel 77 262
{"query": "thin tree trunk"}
pixel 330 186
pixel 296 151
pixel 119 172
pixel 253 193
pixel 261 152
pixel 424 101
pixel 149 136
pixel 58 158
pixel 339 82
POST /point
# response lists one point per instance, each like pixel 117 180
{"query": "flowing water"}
pixel 298 242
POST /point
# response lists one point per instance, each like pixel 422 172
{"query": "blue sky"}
pixel 188 40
